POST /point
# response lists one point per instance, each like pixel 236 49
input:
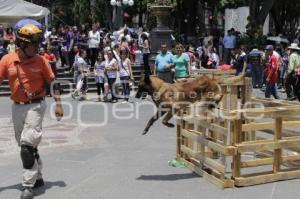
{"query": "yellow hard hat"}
pixel 29 33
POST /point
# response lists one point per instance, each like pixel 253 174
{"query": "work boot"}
pixel 27 193
pixel 39 183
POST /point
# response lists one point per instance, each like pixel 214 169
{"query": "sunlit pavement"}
pixel 92 154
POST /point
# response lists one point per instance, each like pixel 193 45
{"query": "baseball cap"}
pixel 269 47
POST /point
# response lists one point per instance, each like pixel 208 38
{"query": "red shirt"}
pixel 272 67
pixel 49 56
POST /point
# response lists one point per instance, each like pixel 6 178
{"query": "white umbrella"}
pixel 278 39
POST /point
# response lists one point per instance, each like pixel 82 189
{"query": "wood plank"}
pixel 256 163
pixel 269 161
pixel 290 158
pixel 211 126
pixel 268 146
pixel 266 178
pixel 273 112
pixel 225 150
pixel 255 126
pixel 214 180
pixel 210 163
pixel 237 130
pixel 277 152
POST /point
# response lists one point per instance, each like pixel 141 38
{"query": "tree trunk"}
pixel 278 12
pixel 191 16
pixel 140 7
pixel 264 11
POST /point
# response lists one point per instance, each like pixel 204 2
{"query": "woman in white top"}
pixel 99 68
pixel 83 69
pixel 93 43
pixel 125 72
pixel 111 69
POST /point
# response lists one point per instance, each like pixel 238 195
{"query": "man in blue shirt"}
pixel 229 42
pixel 163 64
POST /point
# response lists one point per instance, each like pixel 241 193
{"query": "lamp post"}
pixel 118 6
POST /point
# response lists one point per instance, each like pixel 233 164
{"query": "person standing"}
pixel 125 71
pixel 68 45
pixel 229 42
pixel 27 73
pixel 254 58
pixel 239 60
pixel 182 63
pixel 94 41
pixel 146 53
pixel 292 89
pixel 99 75
pixel 111 69
pixel 163 65
pixel 83 69
pixel 271 73
pixel 11 46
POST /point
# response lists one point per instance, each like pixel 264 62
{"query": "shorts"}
pixel 99 79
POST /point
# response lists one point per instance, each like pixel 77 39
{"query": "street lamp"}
pixel 119 3
pixel 118 10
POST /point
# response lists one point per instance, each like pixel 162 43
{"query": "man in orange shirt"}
pixel 27 71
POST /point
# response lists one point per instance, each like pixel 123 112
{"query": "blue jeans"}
pixel 271 89
pixel 257 76
pixel 125 85
pixel 112 87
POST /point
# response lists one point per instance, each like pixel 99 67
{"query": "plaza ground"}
pixel 113 161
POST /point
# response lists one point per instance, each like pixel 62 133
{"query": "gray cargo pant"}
pixel 27 120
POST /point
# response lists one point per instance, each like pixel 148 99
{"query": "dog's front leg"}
pixel 152 120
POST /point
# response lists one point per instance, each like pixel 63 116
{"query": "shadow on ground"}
pixel 171 177
pixel 37 191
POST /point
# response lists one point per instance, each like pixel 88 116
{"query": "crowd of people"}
pixel 271 67
pixel 109 55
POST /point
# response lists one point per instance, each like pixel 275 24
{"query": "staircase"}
pixel 68 85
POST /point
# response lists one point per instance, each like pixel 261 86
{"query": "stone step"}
pixel 64 75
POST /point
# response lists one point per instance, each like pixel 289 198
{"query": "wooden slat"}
pixel 256 163
pixel 266 178
pixel 255 147
pixel 228 183
pixel 277 152
pixel 210 163
pixel 237 128
pixel 253 126
pixel 274 112
pixel 211 126
pixel 228 150
pixel 269 161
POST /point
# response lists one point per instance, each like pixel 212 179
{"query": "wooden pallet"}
pixel 218 148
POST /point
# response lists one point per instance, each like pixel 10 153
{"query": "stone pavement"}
pixel 114 161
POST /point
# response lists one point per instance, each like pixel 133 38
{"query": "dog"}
pixel 170 98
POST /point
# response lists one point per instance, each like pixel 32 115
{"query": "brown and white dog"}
pixel 170 98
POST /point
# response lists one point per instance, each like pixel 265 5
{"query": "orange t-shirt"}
pixel 33 73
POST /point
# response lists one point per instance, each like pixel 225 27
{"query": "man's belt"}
pixel 37 100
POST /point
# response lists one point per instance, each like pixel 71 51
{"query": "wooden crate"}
pixel 214 73
pixel 272 154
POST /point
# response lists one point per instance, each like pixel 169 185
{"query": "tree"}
pixel 82 10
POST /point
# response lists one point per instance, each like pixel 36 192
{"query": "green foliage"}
pixel 231 3
pixel 81 8
pixel 97 11
pixel 253 38
pixel 160 2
